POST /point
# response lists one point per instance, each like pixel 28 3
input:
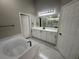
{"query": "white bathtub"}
pixel 18 48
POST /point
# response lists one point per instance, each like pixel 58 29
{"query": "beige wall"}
pixel 65 1
pixel 43 5
pixel 9 14
pixel 68 43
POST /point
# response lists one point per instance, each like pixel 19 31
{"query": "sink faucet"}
pixel 43 27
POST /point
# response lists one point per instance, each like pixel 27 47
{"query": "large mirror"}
pixel 50 21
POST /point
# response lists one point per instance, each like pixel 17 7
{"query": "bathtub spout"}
pixel 30 43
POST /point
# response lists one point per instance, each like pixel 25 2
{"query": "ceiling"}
pixel 47 4
pixel 41 5
pixel 65 1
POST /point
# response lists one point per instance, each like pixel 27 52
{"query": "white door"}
pixel 64 42
pixel 68 42
pixel 25 25
pixel 34 33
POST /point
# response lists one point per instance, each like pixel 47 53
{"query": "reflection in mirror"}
pixel 51 21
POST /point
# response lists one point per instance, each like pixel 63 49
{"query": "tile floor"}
pixel 46 51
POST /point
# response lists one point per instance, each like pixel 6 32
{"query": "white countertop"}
pixel 46 29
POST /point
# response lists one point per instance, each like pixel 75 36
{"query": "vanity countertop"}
pixel 46 29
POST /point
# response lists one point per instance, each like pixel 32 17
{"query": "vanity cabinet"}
pixel 45 35
pixel 36 33
pixel 39 34
pixel 51 37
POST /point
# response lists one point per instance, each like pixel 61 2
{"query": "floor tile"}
pixel 46 51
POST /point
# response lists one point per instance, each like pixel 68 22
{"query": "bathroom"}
pixel 39 29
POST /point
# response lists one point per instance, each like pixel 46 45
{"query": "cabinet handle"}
pixel 60 33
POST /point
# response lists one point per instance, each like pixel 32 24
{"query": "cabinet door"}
pixel 38 34
pixel 51 37
pixel 34 32
pixel 43 35
pixel 69 28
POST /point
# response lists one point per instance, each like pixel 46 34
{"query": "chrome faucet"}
pixel 30 43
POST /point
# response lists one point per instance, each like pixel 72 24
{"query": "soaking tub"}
pixel 18 48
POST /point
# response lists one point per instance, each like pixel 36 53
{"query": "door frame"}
pixel 60 18
pixel 21 22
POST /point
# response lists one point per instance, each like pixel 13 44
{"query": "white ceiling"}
pixel 65 1
pixel 47 4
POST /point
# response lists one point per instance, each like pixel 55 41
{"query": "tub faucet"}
pixel 30 43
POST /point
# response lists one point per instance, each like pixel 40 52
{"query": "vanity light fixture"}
pixel 45 13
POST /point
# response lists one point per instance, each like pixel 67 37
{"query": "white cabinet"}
pixel 48 36
pixel 51 37
pixel 36 33
pixel 43 35
pixel 39 34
